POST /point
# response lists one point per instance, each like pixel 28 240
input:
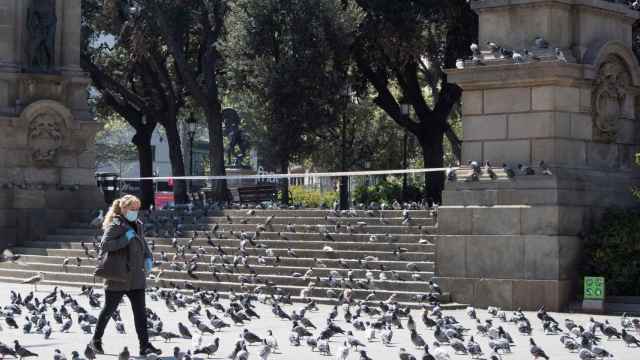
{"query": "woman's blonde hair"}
pixel 125 202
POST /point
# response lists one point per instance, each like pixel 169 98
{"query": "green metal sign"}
pixel 593 288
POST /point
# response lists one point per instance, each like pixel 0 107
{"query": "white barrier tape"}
pixel 288 176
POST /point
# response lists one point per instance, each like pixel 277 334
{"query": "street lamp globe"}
pixel 192 123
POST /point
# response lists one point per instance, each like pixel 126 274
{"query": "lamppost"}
pixel 346 94
pixel 405 109
pixel 192 123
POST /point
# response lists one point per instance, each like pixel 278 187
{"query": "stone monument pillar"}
pixel 47 147
pixel 570 100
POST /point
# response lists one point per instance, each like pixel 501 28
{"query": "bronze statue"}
pixel 41 25
pixel 236 137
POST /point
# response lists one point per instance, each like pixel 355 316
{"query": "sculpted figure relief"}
pixel 609 97
pixel 41 26
pixel 45 137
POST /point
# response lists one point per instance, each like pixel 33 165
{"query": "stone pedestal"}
pixel 572 105
pixel 47 147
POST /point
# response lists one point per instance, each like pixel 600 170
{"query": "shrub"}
pixel 386 191
pixel 612 250
pixel 311 198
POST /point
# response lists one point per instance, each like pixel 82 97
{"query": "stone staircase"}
pixel 350 247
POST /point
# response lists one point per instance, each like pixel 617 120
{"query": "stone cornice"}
pixel 516 75
pixel 613 8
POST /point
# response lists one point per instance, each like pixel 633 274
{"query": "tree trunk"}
pixel 177 161
pixel 284 183
pixel 433 155
pixel 216 154
pixel 142 141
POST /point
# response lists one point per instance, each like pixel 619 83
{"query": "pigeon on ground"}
pixel 536 351
pixel 184 331
pixel 629 339
pixel 124 354
pixel 21 351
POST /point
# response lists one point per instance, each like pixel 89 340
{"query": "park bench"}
pixel 258 193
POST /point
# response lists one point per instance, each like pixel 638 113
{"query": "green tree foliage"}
pixel 372 141
pixel 193 32
pixel 292 62
pixel 612 250
pixel 134 75
pixel 113 144
pixel 401 48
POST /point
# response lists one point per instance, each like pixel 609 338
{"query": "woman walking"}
pixel 124 231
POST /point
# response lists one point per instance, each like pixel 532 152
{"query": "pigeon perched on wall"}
pixel 560 55
pixel 544 169
pixel 509 171
pixel 493 48
pixel 540 42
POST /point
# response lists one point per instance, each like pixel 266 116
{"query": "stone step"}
pixel 300 213
pixel 297 236
pixel 295 299
pixel 299 221
pixel 404 296
pixel 358 272
pixel 424 265
pixel 284 220
pixel 302 253
pixel 298 244
pixel 202 274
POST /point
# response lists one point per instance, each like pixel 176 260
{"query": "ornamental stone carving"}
pixel 45 137
pixel 610 94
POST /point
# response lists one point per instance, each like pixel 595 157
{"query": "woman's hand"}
pixel 130 234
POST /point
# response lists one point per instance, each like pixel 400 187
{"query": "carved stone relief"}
pixel 45 137
pixel 610 95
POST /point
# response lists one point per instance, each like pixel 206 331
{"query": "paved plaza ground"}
pixel 113 342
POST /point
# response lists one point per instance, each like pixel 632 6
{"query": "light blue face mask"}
pixel 132 215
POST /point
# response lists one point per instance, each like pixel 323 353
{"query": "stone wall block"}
pixel 540 220
pixel 77 176
pixel 570 248
pixel 509 100
pixel 498 257
pixel 543 98
pixel 602 155
pixel 28 199
pixel 472 103
pixel 541 257
pixel 471 150
pixel 567 99
pixel 6 199
pixel 562 125
pixel 581 126
pixel 7 218
pixel 494 291
pixel 531 125
pixel 504 220
pixel 511 151
pixel 531 294
pixel 455 220
pixel 451 255
pixel 484 127
pixel 33 175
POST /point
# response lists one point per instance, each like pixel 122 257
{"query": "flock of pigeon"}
pixel 477 171
pixel 538 52
pixel 496 52
pixel 186 256
pixel 346 331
